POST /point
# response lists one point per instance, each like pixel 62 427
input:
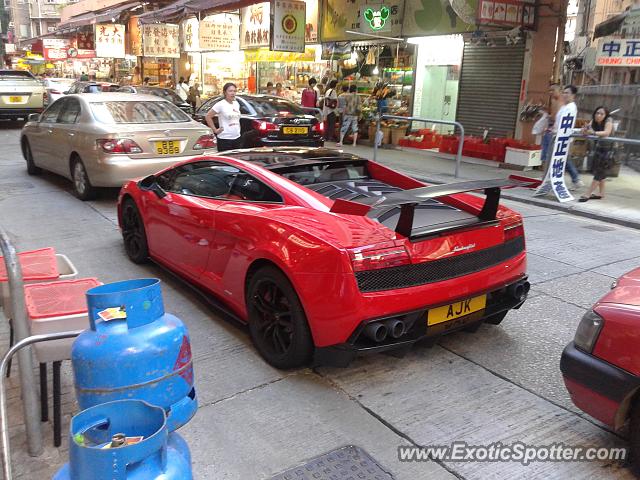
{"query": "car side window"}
pixel 201 179
pixel 247 187
pixel 244 109
pixel 70 111
pixel 50 115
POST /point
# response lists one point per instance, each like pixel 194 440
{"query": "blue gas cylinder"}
pixel 125 440
pixel 134 350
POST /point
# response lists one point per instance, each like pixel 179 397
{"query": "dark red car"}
pixel 325 254
pixel 601 367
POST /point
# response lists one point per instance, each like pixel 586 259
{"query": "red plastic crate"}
pixel 58 299
pixel 38 264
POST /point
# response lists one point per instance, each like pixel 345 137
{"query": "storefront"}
pixel 160 49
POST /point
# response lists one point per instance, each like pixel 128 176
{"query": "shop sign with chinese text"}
pixel 109 40
pixel 161 40
pixel 55 48
pixel 190 39
pixel 618 52
pixel 254 26
pixel 311 27
pixel 288 19
pixel 507 13
pixel 219 33
pixel 266 55
pixel 135 37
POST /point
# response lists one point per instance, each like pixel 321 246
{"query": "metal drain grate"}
pixel 346 463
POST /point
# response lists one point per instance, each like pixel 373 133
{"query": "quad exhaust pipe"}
pixel 519 290
pixel 379 331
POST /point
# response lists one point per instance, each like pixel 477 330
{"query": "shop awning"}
pixel 610 26
pixel 91 18
pixel 184 8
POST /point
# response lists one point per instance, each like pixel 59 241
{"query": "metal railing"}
pixel 425 120
pixel 30 403
pixel 4 425
pixel 628 141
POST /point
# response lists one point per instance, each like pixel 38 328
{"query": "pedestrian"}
pixel 344 91
pixel 351 115
pixel 182 89
pixel 329 108
pixel 228 112
pixel 269 90
pixel 84 77
pixel 310 95
pixel 554 104
pixel 601 126
pixel 146 81
pixel 194 96
pixel 279 91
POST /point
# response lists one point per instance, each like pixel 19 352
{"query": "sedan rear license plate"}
pixel 16 99
pixel 295 130
pixel 168 147
pixel 456 310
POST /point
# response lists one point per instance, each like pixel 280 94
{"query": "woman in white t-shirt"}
pixel 228 112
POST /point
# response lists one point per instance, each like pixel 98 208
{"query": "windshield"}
pixel 270 107
pixel 162 93
pixel 16 75
pixel 137 112
pixel 327 172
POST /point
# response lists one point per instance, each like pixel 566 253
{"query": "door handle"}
pixel 71 134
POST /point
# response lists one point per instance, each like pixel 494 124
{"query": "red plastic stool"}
pixel 56 307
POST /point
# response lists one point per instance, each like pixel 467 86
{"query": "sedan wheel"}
pixel 28 155
pixel 277 322
pixel 81 184
pixel 133 233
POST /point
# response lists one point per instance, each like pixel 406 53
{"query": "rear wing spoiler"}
pixel 407 200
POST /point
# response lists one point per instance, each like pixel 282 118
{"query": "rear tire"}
pixel 496 319
pixel 277 322
pixel 28 156
pixel 81 184
pixel 133 233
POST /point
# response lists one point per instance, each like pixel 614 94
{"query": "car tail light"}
pixel 119 145
pixel 45 97
pixel 588 331
pixel 205 142
pixel 264 127
pixel 375 258
pixel 319 128
pixel 513 231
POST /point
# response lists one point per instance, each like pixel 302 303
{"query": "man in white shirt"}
pixel 182 89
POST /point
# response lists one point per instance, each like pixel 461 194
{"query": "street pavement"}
pixel 501 383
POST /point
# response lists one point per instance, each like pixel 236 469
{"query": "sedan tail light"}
pixel 318 128
pixel 263 127
pixel 513 231
pixel 374 258
pixel 119 145
pixel 205 142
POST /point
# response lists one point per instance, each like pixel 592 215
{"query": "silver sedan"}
pixel 105 139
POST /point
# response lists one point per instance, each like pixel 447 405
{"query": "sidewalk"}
pixel 621 206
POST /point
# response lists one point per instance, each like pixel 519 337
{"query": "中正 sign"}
pixel 288 21
pixel 618 52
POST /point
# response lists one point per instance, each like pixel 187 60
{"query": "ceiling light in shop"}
pixel 376 71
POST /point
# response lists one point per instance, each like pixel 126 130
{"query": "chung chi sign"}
pixel 618 52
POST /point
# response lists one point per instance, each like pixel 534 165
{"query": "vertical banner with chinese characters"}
pixel 161 40
pixel 311 28
pixel 254 26
pixel 135 37
pixel 190 29
pixel 554 178
pixel 219 33
pixel 288 20
pixel 109 40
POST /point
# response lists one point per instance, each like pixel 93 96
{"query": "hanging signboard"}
pixel 254 26
pixel 55 48
pixel 376 18
pixel 618 52
pixel 311 27
pixel 109 40
pixel 160 40
pixel 85 41
pixel 288 20
pixel 190 37
pixel 266 55
pixel 219 33
pixel 507 13
pixel 135 37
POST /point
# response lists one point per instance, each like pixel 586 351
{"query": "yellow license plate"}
pixel 168 147
pixel 456 310
pixel 295 130
pixel 16 99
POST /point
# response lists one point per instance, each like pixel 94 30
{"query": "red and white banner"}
pixel 55 49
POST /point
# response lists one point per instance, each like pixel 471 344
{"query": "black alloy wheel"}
pixel 133 233
pixel 28 156
pixel 277 323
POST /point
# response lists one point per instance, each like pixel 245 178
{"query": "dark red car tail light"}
pixel 318 128
pixel 264 127
pixel 513 231
pixel 119 145
pixel 375 258
pixel 205 142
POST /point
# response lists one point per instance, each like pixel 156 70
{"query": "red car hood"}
pixel 627 291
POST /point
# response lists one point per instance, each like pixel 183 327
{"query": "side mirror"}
pixel 33 117
pixel 150 184
pixel 66 92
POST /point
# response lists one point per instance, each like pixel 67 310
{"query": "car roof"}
pixel 117 97
pixel 278 157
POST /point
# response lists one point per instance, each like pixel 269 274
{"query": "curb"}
pixel 556 206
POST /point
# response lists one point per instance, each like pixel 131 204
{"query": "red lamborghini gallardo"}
pixel 325 254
